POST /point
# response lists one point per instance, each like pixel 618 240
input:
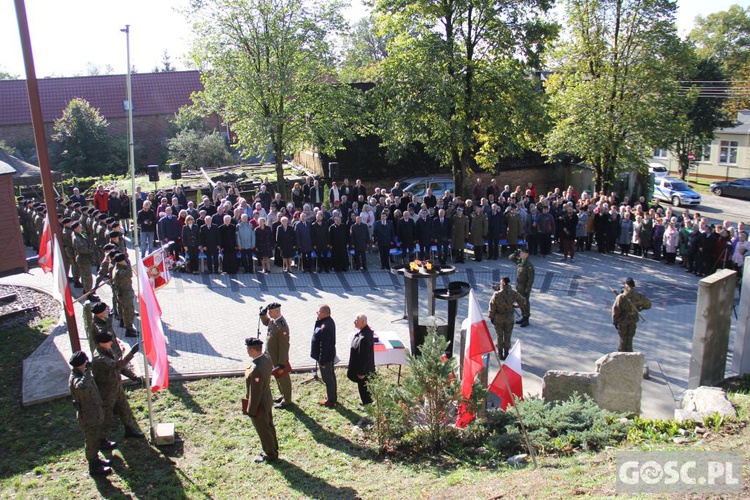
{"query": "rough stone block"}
pixel 702 402
pixel 621 374
pixel 559 385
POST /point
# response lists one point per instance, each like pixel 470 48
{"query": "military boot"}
pixel 99 470
pixel 525 322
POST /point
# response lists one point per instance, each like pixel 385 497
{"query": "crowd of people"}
pixel 313 232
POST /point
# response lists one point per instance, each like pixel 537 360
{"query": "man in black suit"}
pixel 441 233
pixel 209 240
pixel 383 234
pixel 362 358
pixel 406 231
pixel 423 232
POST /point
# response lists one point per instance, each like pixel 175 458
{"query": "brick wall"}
pixel 11 243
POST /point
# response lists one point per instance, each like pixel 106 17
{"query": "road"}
pixel 718 209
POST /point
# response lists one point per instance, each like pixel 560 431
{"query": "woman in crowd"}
pixel 671 241
pixel 263 245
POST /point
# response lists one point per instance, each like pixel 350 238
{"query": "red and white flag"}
pixel 156 268
pixel 45 248
pixel 511 384
pixel 154 341
pixel 61 287
pixel 478 343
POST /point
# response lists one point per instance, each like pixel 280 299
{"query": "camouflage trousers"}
pixel 504 331
pixel 84 271
pixel 626 330
pixel 120 406
pixel 92 434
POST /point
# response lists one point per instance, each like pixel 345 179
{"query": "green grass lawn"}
pixel 324 454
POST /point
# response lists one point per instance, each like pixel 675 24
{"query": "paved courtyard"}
pixel 207 317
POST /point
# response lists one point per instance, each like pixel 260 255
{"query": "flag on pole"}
pixel 156 267
pixel 478 343
pixel 61 288
pixel 45 248
pixel 154 341
pixel 512 383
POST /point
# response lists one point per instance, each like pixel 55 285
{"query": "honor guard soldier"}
pixel 260 401
pixel 626 311
pixel 502 306
pixel 90 413
pixel 122 283
pixel 277 348
pixel 524 282
pixel 107 367
pixel 83 257
pixel 69 253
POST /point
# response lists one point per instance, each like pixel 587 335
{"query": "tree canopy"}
pixel 459 78
pixel 81 143
pixel 612 82
pixel 268 68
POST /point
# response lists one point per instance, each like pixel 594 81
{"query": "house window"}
pixel 728 152
pixel 705 153
pixel 660 153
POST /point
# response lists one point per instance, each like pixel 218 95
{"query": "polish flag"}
pixel 61 289
pixel 478 343
pixel 511 384
pixel 154 341
pixel 45 248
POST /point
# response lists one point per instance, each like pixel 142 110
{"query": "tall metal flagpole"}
pixel 136 234
pixel 40 138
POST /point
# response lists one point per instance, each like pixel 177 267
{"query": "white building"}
pixel 726 158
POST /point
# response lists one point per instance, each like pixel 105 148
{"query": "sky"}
pixel 70 36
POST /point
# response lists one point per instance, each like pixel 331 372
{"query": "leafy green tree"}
pixel 725 36
pixel 166 64
pixel 457 78
pixel 364 48
pixel 268 68
pixel 188 118
pixel 82 145
pixel 4 75
pixel 696 115
pixel 612 83
pixel 195 149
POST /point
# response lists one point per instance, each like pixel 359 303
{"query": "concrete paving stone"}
pixel 207 317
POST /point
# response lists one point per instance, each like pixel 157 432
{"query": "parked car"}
pixel 739 188
pixel 439 185
pixel 658 170
pixel 675 191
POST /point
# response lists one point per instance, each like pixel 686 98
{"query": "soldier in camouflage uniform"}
pixel 100 232
pixel 524 281
pixel 102 323
pixel 69 252
pixel 277 348
pixel 107 367
pixel 115 236
pixel 501 311
pixel 626 312
pixel 89 412
pixel 39 218
pixel 83 256
pixel 258 393
pixel 122 283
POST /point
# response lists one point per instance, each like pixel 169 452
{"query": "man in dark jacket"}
pixel 209 242
pixel 423 231
pixel 319 233
pixel 383 234
pixel 323 350
pixel 441 233
pixel 360 238
pixel 405 232
pixel 338 237
pixel 168 230
pixel 362 358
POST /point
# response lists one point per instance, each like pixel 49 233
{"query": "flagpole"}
pixel 136 234
pixel 515 407
pixel 40 139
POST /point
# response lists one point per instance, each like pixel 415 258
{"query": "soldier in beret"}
pixel 122 284
pixel 258 393
pixel 501 311
pixel 83 257
pixel 525 273
pixel 277 348
pixel 107 367
pixel 69 253
pixel 90 413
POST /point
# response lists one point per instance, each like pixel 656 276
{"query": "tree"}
pixel 82 144
pixel 725 36
pixel 696 115
pixel 166 64
pixel 4 75
pixel 457 78
pixel 363 50
pixel 613 78
pixel 268 69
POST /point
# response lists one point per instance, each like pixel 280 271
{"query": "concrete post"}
pixel 741 353
pixel 711 331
